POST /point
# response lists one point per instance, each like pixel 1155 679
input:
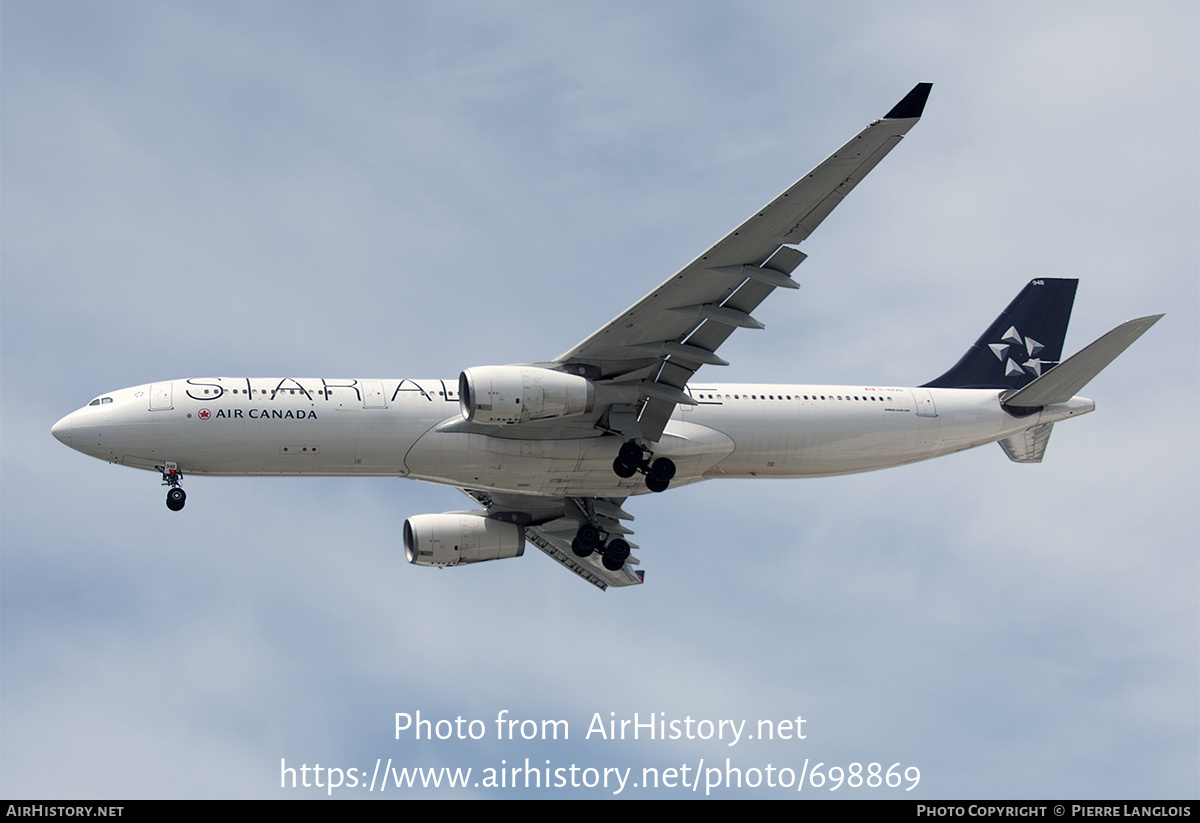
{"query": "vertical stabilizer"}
pixel 1022 344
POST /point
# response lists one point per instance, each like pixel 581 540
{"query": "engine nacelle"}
pixel 454 538
pixel 503 395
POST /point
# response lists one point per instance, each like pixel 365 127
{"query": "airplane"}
pixel 551 451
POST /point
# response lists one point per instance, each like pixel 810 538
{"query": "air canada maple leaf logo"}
pixel 1019 354
pixel 204 414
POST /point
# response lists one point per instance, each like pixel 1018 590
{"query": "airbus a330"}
pixel 551 451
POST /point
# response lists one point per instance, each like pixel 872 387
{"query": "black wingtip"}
pixel 912 105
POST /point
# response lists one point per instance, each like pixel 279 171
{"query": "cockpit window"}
pixel 100 401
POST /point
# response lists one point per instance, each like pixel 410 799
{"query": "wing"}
pixel 552 522
pixel 645 356
pixel 639 364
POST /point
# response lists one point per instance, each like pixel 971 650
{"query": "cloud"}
pixel 409 191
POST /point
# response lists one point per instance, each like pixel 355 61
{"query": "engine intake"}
pixel 504 395
pixel 455 538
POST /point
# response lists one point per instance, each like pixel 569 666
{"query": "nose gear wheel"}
pixel 171 476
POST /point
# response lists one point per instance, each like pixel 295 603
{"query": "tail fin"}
pixel 1022 343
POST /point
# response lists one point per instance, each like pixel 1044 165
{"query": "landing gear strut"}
pixel 634 458
pixel 171 476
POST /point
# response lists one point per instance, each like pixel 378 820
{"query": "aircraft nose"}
pixel 62 429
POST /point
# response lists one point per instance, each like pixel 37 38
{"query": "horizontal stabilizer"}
pixel 1065 380
pixel 1028 446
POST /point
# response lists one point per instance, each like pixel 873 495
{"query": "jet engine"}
pixel 503 395
pixel 455 538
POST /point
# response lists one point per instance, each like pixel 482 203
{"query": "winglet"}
pixel 912 105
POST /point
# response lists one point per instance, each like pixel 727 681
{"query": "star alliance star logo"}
pixel 1014 348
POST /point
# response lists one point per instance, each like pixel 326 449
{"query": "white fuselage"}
pixel 414 428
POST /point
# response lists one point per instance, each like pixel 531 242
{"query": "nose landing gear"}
pixel 634 458
pixel 171 476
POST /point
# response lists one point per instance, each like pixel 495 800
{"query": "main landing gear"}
pixel 634 458
pixel 591 538
pixel 171 476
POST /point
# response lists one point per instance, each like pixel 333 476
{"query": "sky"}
pixel 407 190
